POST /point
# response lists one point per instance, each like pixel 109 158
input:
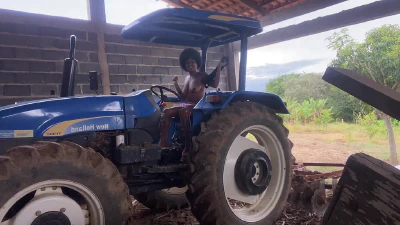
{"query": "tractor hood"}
pixel 61 116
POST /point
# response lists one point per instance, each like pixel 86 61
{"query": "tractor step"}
pixel 165 169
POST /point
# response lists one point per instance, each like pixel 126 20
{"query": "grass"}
pixel 354 136
pixel 349 132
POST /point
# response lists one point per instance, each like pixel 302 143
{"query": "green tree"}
pixel 377 58
pixel 277 85
pixel 302 87
pixel 345 106
pixel 306 86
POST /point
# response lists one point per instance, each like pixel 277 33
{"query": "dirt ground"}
pixel 143 216
pixel 313 148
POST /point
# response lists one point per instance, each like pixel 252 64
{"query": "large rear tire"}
pixel 216 189
pixel 61 180
pixel 164 200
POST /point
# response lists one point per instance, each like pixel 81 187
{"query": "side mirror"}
pixel 94 83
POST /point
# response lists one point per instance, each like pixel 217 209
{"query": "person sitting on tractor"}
pixel 193 91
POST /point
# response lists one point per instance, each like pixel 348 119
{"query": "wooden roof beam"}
pixel 345 18
pixel 233 6
pixel 217 2
pixel 298 10
pixel 189 4
pixel 252 5
pixel 177 4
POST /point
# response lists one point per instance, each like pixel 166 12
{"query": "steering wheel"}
pixel 163 97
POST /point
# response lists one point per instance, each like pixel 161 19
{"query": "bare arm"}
pixel 215 82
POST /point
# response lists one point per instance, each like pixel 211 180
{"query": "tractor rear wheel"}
pixel 164 200
pixel 63 183
pixel 240 167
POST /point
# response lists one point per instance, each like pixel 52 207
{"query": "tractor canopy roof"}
pixel 190 27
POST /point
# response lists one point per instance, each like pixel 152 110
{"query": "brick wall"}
pixel 32 55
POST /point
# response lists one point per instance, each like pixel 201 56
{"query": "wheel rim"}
pixel 69 199
pixel 253 208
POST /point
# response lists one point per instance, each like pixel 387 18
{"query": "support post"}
pixel 243 63
pixel 204 49
pixel 236 60
pixel 97 15
pixel 232 69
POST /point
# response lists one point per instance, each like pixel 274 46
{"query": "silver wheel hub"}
pixel 249 207
pixel 256 176
pixel 48 201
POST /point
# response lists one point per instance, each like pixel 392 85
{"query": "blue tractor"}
pixel 79 159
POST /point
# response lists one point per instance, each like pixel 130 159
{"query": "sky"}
pixel 307 54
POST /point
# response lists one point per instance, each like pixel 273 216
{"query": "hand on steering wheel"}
pixel 161 95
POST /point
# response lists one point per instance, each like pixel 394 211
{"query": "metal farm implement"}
pixel 309 187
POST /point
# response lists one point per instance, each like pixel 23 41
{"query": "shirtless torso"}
pixel 194 88
pixel 193 91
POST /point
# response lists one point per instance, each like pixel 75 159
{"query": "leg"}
pixel 184 118
pixel 166 122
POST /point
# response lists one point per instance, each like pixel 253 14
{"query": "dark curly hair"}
pixel 189 53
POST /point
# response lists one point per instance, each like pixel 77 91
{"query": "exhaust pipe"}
pixel 69 71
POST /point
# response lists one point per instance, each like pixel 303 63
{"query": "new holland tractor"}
pixel 79 159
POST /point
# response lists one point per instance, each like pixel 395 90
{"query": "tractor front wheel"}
pixel 240 167
pixel 61 183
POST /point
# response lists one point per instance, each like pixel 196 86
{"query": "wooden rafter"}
pixel 247 10
pixel 226 9
pixel 178 4
pixel 239 12
pixel 252 5
pixel 217 2
pixel 299 10
pixel 360 14
pixel 189 4
pixel 287 5
pixel 267 2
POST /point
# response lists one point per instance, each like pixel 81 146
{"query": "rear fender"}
pixel 203 110
pixel 270 100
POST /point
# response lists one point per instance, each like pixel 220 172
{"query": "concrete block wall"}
pixel 32 51
pixel 138 65
pixel 32 57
